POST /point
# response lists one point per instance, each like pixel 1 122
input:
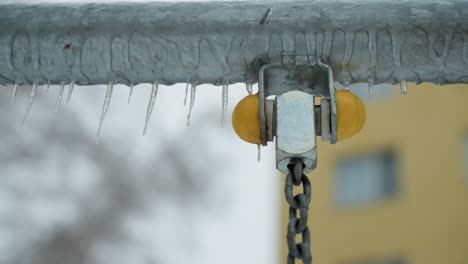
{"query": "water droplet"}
pixel 48 85
pixel 259 152
pixel 371 86
pixel 15 91
pixel 30 102
pixel 186 93
pixel 403 87
pixel 441 80
pixel 59 96
pixel 346 86
pixel 130 93
pixel 193 90
pixel 149 109
pixel 225 98
pixel 105 107
pixel 70 91
pixel 417 81
pixel 341 141
pixel 248 87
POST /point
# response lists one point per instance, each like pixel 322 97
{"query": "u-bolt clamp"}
pixel 292 116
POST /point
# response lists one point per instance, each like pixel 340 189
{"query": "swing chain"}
pixel 299 202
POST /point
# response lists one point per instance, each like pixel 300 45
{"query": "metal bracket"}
pixel 275 79
pixel 294 119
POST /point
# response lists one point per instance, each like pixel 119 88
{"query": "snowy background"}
pixel 177 195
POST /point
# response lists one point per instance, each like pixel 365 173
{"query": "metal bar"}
pixel 214 42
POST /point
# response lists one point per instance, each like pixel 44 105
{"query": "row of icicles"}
pixel 154 92
pixel 107 100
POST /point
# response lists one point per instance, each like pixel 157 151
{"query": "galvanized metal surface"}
pixel 295 130
pixel 218 42
pixel 325 120
pixel 331 101
pixel 270 117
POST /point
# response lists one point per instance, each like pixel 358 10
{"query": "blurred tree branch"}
pixel 125 186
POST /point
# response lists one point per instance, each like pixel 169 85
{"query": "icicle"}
pixel 59 96
pixel 70 91
pixel 259 152
pixel 105 107
pixel 346 86
pixel 225 98
pixel 15 91
pixel 248 87
pixel 403 87
pixel 341 142
pixel 186 93
pixel 371 86
pixel 130 93
pixel 193 89
pixel 149 110
pixel 30 102
pixel 48 85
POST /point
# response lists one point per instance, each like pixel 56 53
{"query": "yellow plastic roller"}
pixel 351 116
pixel 246 119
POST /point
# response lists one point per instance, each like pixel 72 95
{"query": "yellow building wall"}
pixel 427 222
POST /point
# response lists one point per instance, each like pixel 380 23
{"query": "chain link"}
pixel 298 203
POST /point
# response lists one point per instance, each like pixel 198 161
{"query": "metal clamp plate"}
pixel 276 79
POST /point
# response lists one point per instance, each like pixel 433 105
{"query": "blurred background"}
pixel 177 195
pixel 397 192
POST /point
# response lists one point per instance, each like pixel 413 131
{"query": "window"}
pixel 364 179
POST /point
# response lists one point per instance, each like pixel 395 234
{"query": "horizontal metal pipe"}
pixel 220 42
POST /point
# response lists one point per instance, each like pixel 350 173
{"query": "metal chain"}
pixel 299 202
